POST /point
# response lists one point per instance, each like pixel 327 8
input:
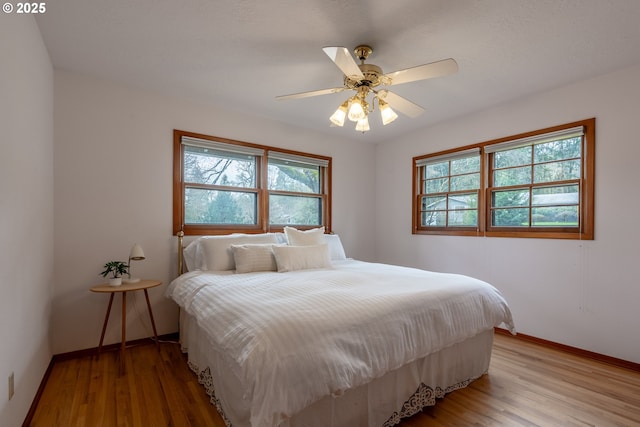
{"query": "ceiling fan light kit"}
pixel 363 78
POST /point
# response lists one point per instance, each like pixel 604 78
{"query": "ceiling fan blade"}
pixel 401 104
pixel 311 93
pixel 422 72
pixel 344 61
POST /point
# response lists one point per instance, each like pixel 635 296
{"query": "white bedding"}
pixel 296 337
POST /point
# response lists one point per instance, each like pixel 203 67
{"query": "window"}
pixel 449 191
pixel 539 184
pixel 295 195
pixel 224 186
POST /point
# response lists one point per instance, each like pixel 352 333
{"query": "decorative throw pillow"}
pixel 254 257
pixel 292 258
pixel 311 237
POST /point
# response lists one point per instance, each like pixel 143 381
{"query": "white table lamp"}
pixel 136 254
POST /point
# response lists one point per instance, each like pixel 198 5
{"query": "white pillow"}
pixel 254 257
pixel 213 253
pixel 336 250
pixel 189 253
pixel 311 237
pixel 281 238
pixel 291 258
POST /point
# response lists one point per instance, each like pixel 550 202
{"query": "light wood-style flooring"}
pixel 527 385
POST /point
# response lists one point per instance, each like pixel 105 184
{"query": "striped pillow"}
pixel 292 258
pixel 254 257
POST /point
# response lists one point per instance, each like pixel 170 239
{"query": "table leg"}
pixel 155 333
pixel 124 332
pixel 104 326
pixel 124 323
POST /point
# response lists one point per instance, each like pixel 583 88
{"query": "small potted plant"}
pixel 117 269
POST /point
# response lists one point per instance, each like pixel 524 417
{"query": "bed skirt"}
pixel 382 402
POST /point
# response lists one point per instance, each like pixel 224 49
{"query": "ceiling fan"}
pixel 364 79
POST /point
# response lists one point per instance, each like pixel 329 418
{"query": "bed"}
pixel 283 329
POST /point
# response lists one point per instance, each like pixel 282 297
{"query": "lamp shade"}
pixel 338 117
pixel 363 125
pixel 387 114
pixel 356 112
pixel 136 253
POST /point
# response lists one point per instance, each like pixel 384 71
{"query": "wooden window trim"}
pixel 262 221
pixel 585 230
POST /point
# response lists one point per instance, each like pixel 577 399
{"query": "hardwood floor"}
pixel 156 389
pixel 532 385
pixel 527 385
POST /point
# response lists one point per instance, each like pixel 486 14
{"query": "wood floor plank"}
pixel 528 385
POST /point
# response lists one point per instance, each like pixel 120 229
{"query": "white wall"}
pixel 113 187
pixel 26 212
pixel 583 294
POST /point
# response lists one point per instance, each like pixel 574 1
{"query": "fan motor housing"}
pixel 371 78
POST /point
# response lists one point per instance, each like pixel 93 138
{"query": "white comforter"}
pixel 296 337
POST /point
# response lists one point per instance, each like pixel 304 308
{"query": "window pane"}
pixel 511 198
pixel 295 210
pixel 514 157
pixel 557 150
pixel 291 176
pixel 465 165
pixel 434 203
pixel 219 207
pixel 559 216
pixel 553 196
pixel 465 182
pixel 514 217
pixel 439 185
pixel 466 218
pixel 557 171
pixel 463 201
pixel 207 166
pixel 515 176
pixel 434 219
pixel 436 170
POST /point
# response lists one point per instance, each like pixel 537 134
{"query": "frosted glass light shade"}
pixel 338 117
pixel 363 125
pixel 387 114
pixel 356 112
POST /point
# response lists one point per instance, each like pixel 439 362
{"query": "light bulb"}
pixel 356 112
pixel 338 117
pixel 387 114
pixel 363 125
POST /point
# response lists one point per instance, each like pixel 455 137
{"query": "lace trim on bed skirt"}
pixel 206 379
pixel 424 396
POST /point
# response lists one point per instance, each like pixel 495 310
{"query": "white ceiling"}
pixel 240 54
